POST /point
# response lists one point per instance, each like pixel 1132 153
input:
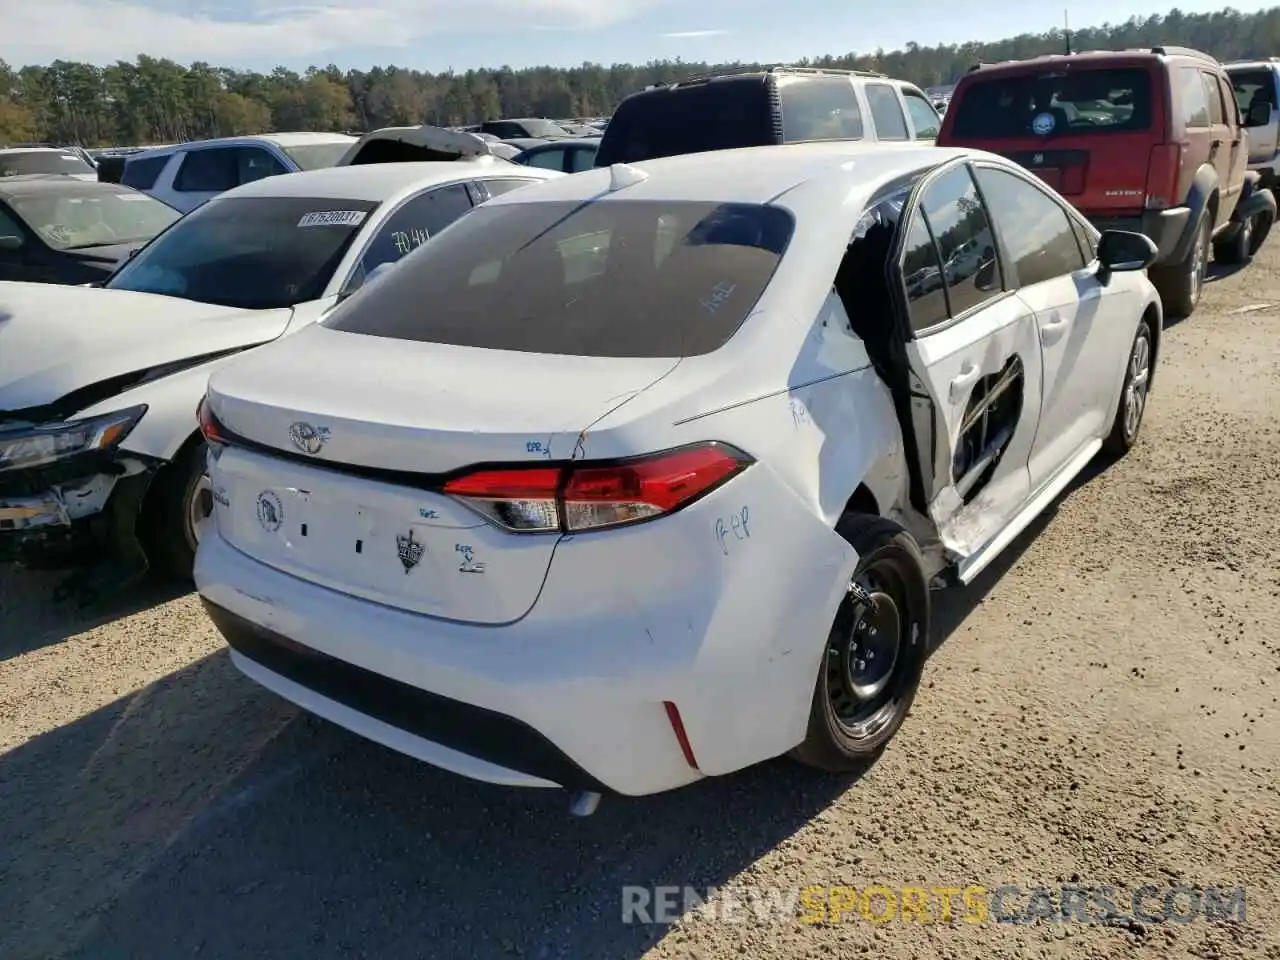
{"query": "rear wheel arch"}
pixel 1203 197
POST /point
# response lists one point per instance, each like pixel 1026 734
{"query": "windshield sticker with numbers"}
pixel 333 218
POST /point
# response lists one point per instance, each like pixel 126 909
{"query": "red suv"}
pixel 1143 140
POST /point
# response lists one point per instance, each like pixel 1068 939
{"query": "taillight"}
pixel 596 496
pixel 209 425
pixel 1163 166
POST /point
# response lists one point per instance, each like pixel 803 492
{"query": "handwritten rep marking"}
pixel 737 525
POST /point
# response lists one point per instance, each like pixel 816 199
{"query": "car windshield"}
pixel 605 279
pixel 19 162
pixel 93 216
pixel 253 253
pixel 1055 103
pixel 314 156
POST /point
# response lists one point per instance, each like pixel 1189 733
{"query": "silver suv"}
pixel 1257 87
pixel 761 107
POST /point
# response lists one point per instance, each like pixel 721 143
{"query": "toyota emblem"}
pixel 308 438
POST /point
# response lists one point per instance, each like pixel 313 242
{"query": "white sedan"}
pixel 643 475
pixel 100 451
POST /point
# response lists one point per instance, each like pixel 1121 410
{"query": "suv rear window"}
pixel 1054 103
pixel 613 278
pixel 716 115
pixel 819 108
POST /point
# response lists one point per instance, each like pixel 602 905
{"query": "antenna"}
pixel 1066 30
pixel 623 175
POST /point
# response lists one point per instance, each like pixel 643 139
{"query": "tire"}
pixel 1262 226
pixel 846 734
pixel 1238 249
pixel 1133 395
pixel 1181 284
pixel 179 493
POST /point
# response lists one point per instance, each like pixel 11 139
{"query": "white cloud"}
pixel 693 34
pixel 102 31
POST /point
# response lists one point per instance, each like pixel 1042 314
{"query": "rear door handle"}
pixel 1053 328
pixel 968 376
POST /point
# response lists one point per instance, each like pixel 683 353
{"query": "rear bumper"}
pixel 1168 230
pixel 487 736
pixel 573 694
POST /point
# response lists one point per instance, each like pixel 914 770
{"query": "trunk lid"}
pixel 346 494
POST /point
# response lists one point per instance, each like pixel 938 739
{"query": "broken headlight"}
pixel 47 443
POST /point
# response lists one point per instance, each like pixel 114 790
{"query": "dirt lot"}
pixel 1102 709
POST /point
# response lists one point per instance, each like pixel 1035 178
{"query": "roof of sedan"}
pixel 380 181
pixel 748 175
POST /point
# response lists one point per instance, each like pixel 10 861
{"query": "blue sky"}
pixel 438 34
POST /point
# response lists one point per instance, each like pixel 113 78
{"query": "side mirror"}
pixel 11 243
pixel 1121 251
pixel 1259 114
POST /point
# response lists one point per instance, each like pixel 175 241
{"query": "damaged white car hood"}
pixel 56 339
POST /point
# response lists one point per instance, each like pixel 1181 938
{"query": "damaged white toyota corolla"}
pixel 644 475
pixel 100 452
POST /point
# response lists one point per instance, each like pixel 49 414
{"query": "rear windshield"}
pixel 1053 104
pixel 613 278
pixel 819 108
pixel 23 162
pixel 314 156
pixel 718 115
pixel 252 253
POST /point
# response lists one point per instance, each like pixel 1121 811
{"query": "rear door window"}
pixel 1213 97
pixel 922 274
pixel 1192 102
pixel 819 108
pixel 416 221
pixel 254 163
pixel 886 112
pixel 142 174
pixel 962 231
pixel 1229 102
pixel 208 171
pixel 923 117
pixel 607 279
pixel 1079 102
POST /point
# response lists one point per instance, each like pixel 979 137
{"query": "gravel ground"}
pixel 1101 709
